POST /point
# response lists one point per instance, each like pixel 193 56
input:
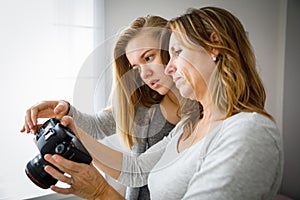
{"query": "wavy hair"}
pixel 235 84
pixel 129 89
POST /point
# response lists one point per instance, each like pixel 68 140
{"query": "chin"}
pixel 187 93
pixel 191 97
pixel 162 91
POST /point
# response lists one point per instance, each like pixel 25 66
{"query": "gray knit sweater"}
pixel 150 126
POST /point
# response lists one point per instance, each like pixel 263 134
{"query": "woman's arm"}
pixel 98 125
pixel 104 157
pixel 111 162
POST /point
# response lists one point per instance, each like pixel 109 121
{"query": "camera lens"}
pixel 36 173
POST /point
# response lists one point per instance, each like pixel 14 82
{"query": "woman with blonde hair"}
pixel 145 104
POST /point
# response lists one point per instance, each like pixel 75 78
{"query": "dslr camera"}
pixel 54 138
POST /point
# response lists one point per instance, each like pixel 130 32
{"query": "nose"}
pixel 145 72
pixel 170 68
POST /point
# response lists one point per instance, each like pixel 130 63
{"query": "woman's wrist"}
pixel 106 191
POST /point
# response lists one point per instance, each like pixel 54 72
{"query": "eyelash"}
pixel 137 68
pixel 177 52
pixel 149 58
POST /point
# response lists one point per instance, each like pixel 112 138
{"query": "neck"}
pixel 170 106
pixel 173 95
pixel 210 111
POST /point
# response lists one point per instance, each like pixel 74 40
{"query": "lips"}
pixel 154 82
pixel 175 79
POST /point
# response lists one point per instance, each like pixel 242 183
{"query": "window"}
pixel 43 48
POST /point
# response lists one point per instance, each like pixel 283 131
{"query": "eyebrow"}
pixel 142 55
pixel 172 48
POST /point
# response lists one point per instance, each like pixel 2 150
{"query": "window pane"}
pixel 43 46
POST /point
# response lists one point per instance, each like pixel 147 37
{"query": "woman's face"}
pixel 191 69
pixel 143 55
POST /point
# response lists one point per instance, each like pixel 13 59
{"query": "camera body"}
pixel 54 138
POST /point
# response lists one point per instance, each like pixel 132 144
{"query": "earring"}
pixel 214 58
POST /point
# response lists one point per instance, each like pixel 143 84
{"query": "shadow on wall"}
pixel 291 109
pixel 94 80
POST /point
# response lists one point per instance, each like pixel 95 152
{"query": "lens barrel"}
pixel 36 173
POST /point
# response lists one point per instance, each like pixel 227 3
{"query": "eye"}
pixel 177 52
pixel 137 68
pixel 149 58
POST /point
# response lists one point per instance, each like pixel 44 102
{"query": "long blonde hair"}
pixel 236 85
pixel 129 89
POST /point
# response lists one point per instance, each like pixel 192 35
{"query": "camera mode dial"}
pixel 59 149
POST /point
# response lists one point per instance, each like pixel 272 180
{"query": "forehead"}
pixel 173 41
pixel 142 42
pixel 182 41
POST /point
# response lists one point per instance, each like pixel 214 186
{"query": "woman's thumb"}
pixel 61 108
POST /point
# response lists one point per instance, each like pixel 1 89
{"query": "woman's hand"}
pixel 85 181
pixel 44 109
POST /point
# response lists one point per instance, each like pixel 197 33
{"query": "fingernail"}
pixel 55 157
pixel 46 156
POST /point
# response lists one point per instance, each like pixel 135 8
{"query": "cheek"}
pixel 187 91
pixel 166 81
pixel 196 80
pixel 200 72
pixel 188 72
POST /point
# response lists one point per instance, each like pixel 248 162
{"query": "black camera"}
pixel 54 138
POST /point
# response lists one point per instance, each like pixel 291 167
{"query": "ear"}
pixel 214 39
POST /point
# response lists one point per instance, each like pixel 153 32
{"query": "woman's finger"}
pixel 63 164
pixel 61 109
pixel 28 121
pixel 68 122
pixel 62 190
pixel 57 174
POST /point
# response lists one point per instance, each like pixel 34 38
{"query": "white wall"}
pixel 42 47
pixel 264 20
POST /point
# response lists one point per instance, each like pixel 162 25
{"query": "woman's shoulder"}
pixel 246 120
pixel 143 115
pixel 144 109
pixel 249 134
pixel 252 126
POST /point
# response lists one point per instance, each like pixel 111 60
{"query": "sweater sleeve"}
pixel 244 162
pixel 135 169
pixel 99 125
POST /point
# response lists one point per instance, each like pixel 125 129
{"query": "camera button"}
pixel 60 149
